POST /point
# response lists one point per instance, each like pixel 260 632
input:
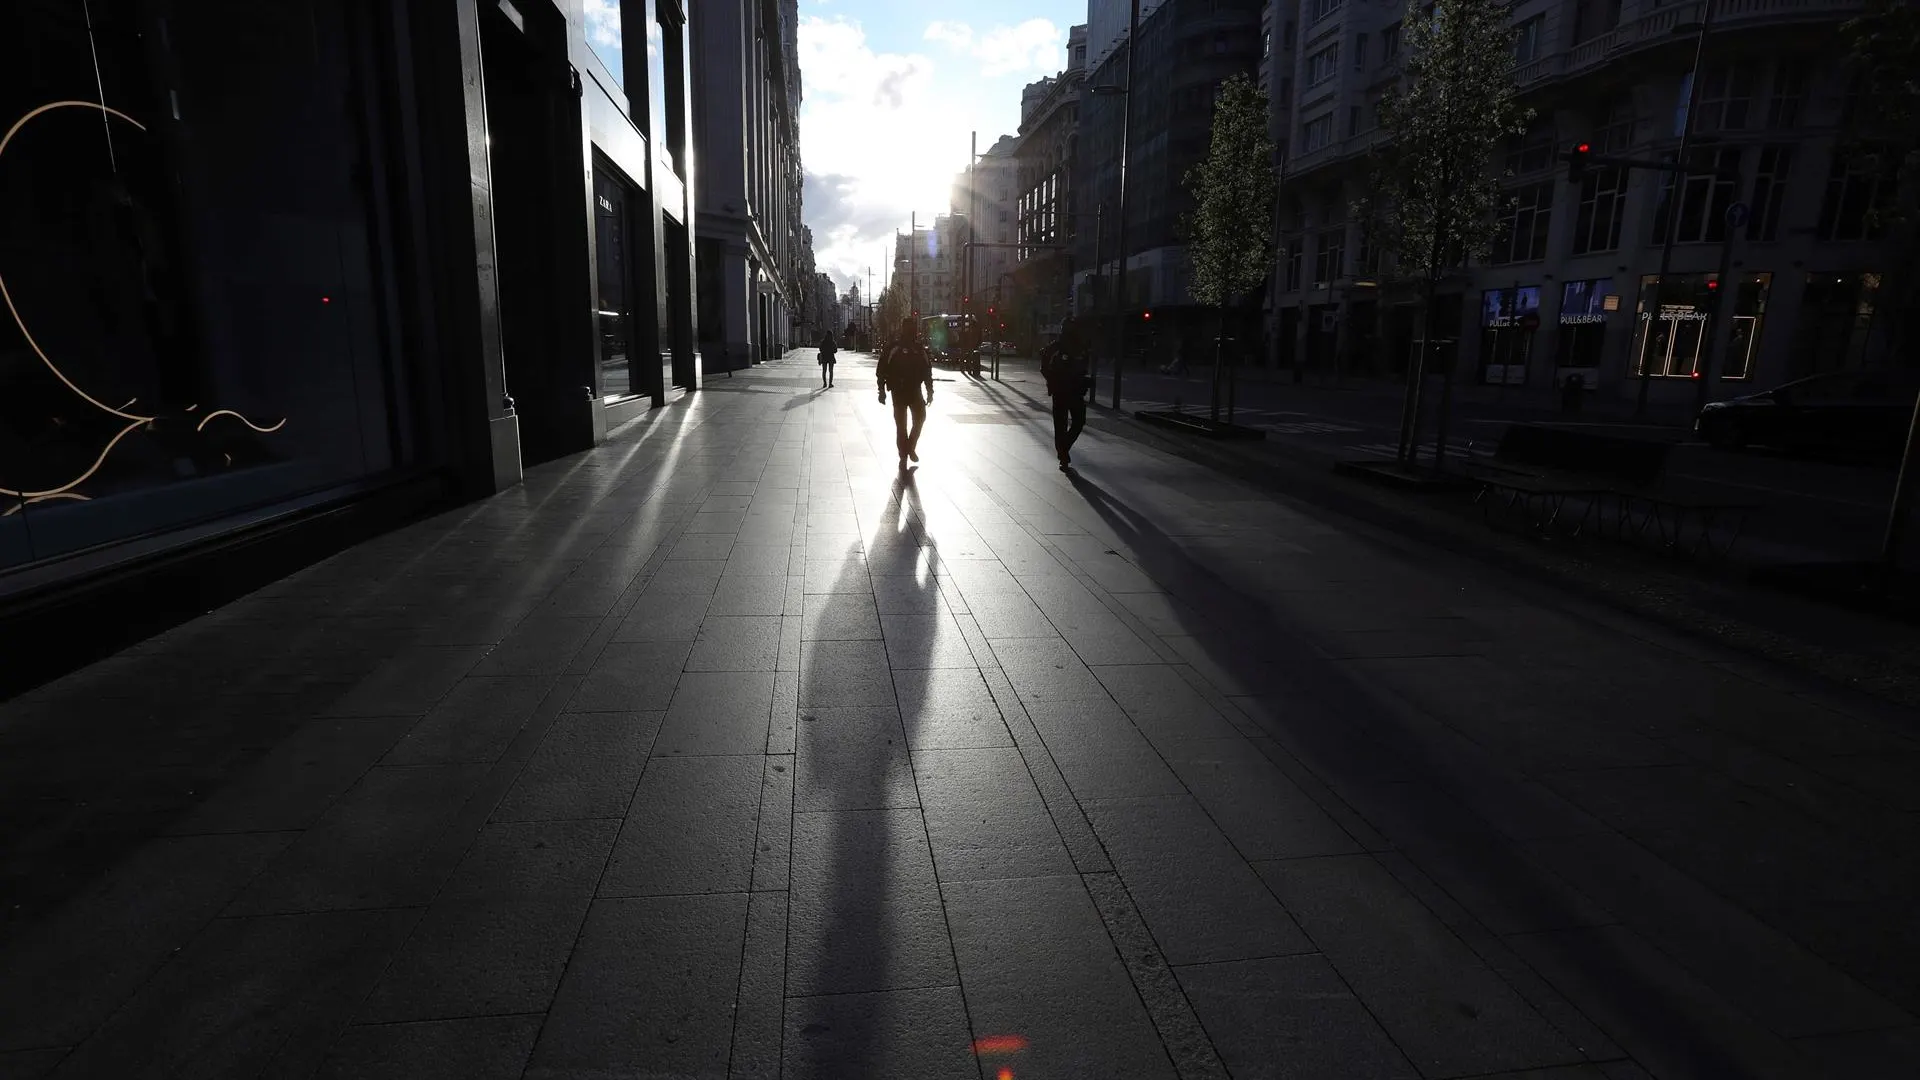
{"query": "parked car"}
pixel 1856 413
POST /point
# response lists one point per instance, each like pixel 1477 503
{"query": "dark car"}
pixel 1854 413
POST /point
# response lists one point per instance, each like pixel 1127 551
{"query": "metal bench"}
pixel 1543 474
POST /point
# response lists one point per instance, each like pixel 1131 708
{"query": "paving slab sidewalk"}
pixel 727 749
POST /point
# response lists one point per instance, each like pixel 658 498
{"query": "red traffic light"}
pixel 1577 161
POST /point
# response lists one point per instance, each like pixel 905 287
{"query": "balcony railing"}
pixel 1539 68
pixel 1659 25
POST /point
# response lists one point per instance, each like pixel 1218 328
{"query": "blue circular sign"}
pixel 1737 215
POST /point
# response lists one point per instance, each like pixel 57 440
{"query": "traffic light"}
pixel 1577 159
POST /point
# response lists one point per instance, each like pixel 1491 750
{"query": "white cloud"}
pixel 878 143
pixel 603 22
pixel 957 34
pixel 1035 46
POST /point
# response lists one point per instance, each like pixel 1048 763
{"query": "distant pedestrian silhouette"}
pixel 828 347
pixel 905 368
pixel 1063 363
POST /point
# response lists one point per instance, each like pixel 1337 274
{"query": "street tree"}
pixel 1884 57
pixel 1231 226
pixel 1435 192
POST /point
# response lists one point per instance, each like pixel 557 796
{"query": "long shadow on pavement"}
pixel 1356 743
pixel 883 932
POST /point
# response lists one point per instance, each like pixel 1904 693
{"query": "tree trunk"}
pixel 1219 344
pixel 1417 376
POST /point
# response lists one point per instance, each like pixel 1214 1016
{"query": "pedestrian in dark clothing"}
pixel 1063 363
pixel 905 368
pixel 827 349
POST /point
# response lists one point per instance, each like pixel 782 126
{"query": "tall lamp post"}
pixel 1126 143
pixel 1674 203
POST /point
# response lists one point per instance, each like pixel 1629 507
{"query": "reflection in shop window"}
pixel 193 322
pixel 1674 325
pixel 604 36
pixel 1749 316
pixel 1508 321
pixel 610 225
pixel 1584 309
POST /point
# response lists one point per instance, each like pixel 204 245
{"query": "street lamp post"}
pixel 1674 204
pixel 1126 144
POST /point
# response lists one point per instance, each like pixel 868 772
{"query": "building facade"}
pixel 1048 217
pixel 929 266
pixel 1572 286
pixel 986 197
pixel 747 137
pixel 1185 50
pixel 277 266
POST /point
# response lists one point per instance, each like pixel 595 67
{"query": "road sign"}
pixel 1737 215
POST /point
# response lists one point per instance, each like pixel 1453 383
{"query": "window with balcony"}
pixel 1359 52
pixel 1390 42
pixel 1769 191
pixel 1857 187
pixel 1323 65
pixel 1726 98
pixel 1789 87
pixel 1329 256
pixel 1703 209
pixel 1294 259
pixel 1320 9
pixel 1527 39
pixel 1523 224
pixel 1603 202
pixel 1316 133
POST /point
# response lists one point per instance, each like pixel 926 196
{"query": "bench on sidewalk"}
pixel 1544 473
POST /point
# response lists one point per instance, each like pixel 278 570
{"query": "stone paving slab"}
pixel 727 750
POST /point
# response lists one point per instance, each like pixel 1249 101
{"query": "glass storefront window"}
pixel 611 199
pixel 1836 322
pixel 604 37
pixel 196 302
pixel 1584 306
pixel 1508 319
pixel 1675 324
pixel 1749 316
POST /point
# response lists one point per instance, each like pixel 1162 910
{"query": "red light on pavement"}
pixel 1006 1074
pixel 999 1044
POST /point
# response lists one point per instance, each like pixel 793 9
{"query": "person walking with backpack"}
pixel 1063 363
pixel 906 368
pixel 828 347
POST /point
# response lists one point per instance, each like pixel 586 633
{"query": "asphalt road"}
pixel 1809 508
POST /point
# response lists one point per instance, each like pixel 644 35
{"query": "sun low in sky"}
pixel 893 90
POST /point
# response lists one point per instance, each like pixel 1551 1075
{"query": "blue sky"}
pixel 893 89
